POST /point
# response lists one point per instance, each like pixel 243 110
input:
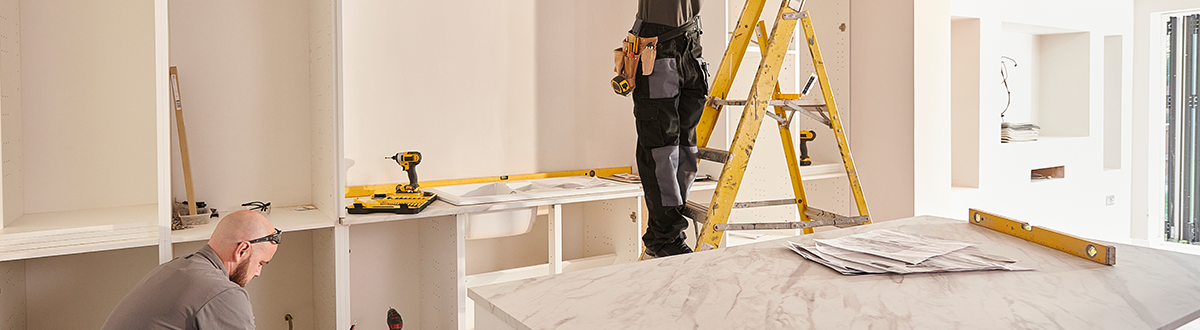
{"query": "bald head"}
pixel 243 261
pixel 238 227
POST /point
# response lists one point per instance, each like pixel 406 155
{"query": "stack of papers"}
pixel 1018 132
pixel 888 251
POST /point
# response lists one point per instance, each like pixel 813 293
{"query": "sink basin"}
pixel 508 191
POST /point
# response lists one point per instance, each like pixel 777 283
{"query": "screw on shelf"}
pixel 288 318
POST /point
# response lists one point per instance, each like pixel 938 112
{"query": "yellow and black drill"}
pixel 805 136
pixel 408 198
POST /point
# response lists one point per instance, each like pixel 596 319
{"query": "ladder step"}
pixel 713 155
pixel 839 222
pixel 820 106
pixel 787 101
pixel 695 211
pixel 699 212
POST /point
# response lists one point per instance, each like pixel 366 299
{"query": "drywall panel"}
pixel 1020 85
pixel 12 294
pixel 1064 102
pixel 1114 93
pixel 965 70
pixel 11 174
pixel 80 290
pixel 244 76
pixel 931 83
pixel 882 57
pixel 88 103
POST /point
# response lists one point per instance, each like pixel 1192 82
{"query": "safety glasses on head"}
pixel 269 238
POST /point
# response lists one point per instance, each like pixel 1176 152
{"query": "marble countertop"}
pixel 767 286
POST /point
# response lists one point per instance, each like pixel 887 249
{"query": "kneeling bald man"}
pixel 204 290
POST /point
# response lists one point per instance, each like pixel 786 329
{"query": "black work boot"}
pixel 669 249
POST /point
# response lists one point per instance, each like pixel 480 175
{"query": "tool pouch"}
pixel 635 50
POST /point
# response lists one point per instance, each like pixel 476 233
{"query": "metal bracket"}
pixel 796 4
pixel 793 16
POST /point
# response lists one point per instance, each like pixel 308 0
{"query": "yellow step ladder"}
pixel 765 93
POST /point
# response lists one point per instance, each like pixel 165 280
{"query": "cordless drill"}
pixel 805 136
pixel 408 161
pixel 394 321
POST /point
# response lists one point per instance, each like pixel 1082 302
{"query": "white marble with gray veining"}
pixel 767 286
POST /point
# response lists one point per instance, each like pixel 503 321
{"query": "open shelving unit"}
pixel 87 143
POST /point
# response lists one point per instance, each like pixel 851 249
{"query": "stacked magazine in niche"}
pixel 1018 132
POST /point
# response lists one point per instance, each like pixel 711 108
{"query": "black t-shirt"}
pixel 668 12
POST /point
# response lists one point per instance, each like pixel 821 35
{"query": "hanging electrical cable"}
pixel 1004 80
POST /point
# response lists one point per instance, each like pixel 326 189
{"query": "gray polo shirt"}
pixel 668 12
pixel 191 292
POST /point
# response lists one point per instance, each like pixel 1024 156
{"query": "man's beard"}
pixel 241 274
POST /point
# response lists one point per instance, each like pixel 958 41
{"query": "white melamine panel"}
pixel 324 284
pixel 443 291
pixel 611 227
pixel 385 264
pixel 247 95
pixel 492 254
pixel 12 294
pixel 86 285
pixel 87 104
pixel 11 174
pixel 325 106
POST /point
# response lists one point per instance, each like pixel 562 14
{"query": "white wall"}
pixel 1147 215
pixel 514 87
pixel 902 76
pixel 1075 204
pixel 882 55
pixel 245 87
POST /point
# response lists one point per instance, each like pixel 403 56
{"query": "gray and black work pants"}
pixel 667 105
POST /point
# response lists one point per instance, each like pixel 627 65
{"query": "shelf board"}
pixel 285 218
pixel 47 234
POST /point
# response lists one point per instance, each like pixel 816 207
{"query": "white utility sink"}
pixel 508 191
pixel 518 221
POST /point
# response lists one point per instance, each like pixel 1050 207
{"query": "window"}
pixel 1182 102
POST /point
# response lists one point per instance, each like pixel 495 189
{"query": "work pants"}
pixel 667 105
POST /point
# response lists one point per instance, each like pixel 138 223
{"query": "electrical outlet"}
pixel 1110 200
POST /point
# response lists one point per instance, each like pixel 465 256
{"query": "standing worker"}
pixel 204 290
pixel 667 104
